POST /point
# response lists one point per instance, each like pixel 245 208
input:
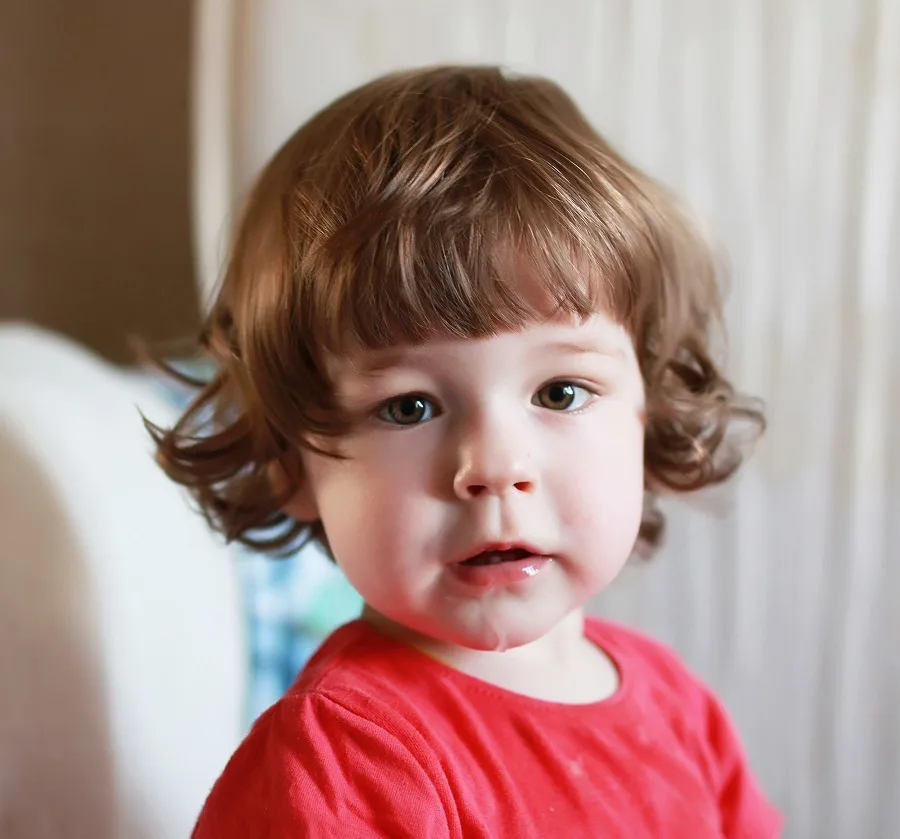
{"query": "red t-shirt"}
pixel 376 739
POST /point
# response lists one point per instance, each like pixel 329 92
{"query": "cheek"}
pixel 606 495
pixel 615 482
pixel 363 500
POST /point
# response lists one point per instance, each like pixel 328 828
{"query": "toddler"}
pixel 464 345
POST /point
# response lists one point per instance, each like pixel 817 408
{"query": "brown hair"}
pixel 390 217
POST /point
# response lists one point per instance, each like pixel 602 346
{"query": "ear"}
pixel 287 475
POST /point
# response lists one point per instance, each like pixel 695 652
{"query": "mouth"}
pixel 497 555
pixel 497 565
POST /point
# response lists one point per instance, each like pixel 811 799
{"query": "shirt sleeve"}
pixel 315 766
pixel 745 812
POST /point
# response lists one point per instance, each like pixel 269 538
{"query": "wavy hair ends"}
pixel 444 202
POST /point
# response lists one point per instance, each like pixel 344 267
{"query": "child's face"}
pixel 530 441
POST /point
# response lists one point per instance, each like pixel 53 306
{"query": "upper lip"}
pixel 486 547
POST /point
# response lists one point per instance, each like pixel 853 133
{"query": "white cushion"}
pixel 121 654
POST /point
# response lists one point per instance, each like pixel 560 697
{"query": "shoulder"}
pixel 667 688
pixel 655 676
pixel 641 657
pixel 330 758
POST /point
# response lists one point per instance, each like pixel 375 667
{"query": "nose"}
pixel 494 461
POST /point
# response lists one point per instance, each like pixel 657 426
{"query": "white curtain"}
pixel 779 120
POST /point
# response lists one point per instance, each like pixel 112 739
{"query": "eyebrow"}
pixel 381 362
pixel 578 348
pixel 388 359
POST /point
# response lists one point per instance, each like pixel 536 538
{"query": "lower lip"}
pixel 501 573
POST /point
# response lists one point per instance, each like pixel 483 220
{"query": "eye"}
pixel 410 409
pixel 562 396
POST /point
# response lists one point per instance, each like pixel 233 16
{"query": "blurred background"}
pixel 135 648
pixel 94 155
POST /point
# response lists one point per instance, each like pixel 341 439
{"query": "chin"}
pixel 497 635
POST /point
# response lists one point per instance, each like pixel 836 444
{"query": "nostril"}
pixel 476 490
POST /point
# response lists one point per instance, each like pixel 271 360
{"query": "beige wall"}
pixel 94 189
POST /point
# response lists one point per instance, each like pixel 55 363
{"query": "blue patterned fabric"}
pixel 290 606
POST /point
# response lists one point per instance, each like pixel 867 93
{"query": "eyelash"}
pixel 383 409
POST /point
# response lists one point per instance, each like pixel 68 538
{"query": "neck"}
pixel 560 666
